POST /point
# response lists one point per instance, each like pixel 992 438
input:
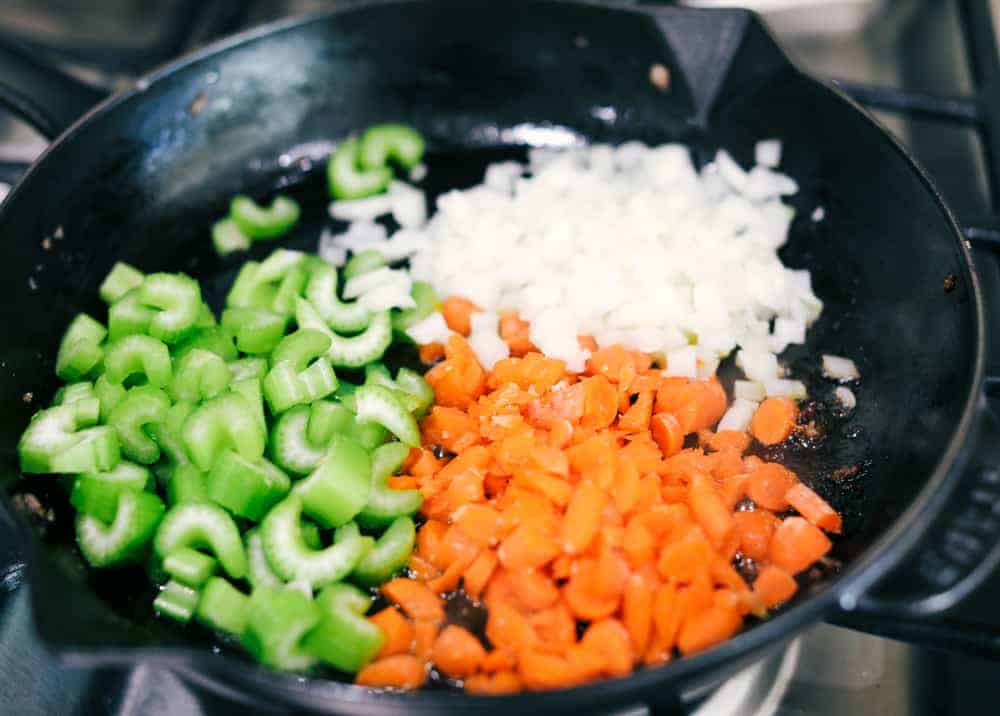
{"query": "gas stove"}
pixel 912 62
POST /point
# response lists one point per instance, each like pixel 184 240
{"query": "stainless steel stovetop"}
pixel 907 44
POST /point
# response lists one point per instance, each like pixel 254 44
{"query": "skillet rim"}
pixel 843 591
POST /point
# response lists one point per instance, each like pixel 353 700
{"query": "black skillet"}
pixel 141 177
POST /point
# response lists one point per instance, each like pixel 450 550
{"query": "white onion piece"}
pixel 767 152
pixel 749 390
pixel 485 340
pixel 502 176
pixel 409 205
pixel 738 416
pixel 759 366
pixel 367 209
pixel 731 171
pixel 361 235
pixel 432 329
pixel 706 368
pixel 418 172
pixel 839 368
pixel 403 244
pixel 386 296
pixel 367 281
pixel 782 388
pixel 845 396
pixel 786 331
pixel 682 363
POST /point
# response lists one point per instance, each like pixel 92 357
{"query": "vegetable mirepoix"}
pixel 237 542
pixel 571 500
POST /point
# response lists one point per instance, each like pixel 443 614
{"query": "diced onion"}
pixel 408 205
pixel 845 396
pixel 682 362
pixel 485 340
pixel 749 390
pixel 367 209
pixel 739 415
pixel 386 296
pixel 432 329
pixel 367 281
pixel 759 366
pixel 361 235
pixel 782 388
pixel 328 250
pixel 839 368
pixel 767 153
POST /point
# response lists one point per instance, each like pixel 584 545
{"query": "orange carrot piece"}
pixel 813 507
pixel 774 586
pixel 710 511
pixel 507 628
pixel 637 611
pixel 583 517
pixel 539 670
pixel 397 629
pixel 431 352
pixel 639 545
pixel 458 314
pixel 527 547
pixel 430 543
pixel 600 402
pixel 587 343
pixel 449 579
pixel 554 488
pixel 729 440
pixel 582 597
pixel 478 574
pixel 774 420
pixel 482 524
pixel 414 598
pixel 755 530
pixel 457 652
pixel 626 487
pixel 424 634
pixel 498 660
pixel 734 489
pixel 533 589
pixel 609 638
pixel 768 485
pixel 555 627
pixel 707 628
pixel 400 671
pixel 502 682
pixel 638 415
pixel 421 569
pixel 685 558
pixel 403 482
pixel 516 333
pixel 612 571
pixel 667 433
pixel 446 426
pixel 797 544
pixel 667 616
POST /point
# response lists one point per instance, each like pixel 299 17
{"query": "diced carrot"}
pixel 507 628
pixel 587 343
pixel 502 682
pixel 478 574
pixel 560 433
pixel 554 488
pixel 421 569
pixel 667 616
pixel 609 361
pixel 707 628
pixel 533 370
pixel 638 415
pixel 457 652
pixel 600 402
pixel 729 440
pixel 527 547
pixel 813 507
pixel 710 511
pixel 774 420
pixel 726 463
pixel 667 433
pixel 481 523
pixel 774 586
pixel 446 426
pixel 424 634
pixel 458 313
pixel 583 517
pixel 397 629
pixel 555 627
pixel 414 598
pixel 755 530
pixel 533 589
pixel 637 611
pixel 734 489
pixel 498 660
pixel 465 488
pixel 400 671
pixel 539 670
pixel 562 566
pixel 626 487
pixel 585 662
pixel 685 558
pixel 431 353
pixel 797 544
pixel 582 597
pixel 449 579
pixel 639 545
pixel 516 333
pixel 768 485
pixel 609 638
pixel 649 493
pixel 430 543
pixel 612 572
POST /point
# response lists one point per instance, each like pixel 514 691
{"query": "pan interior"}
pixel 145 179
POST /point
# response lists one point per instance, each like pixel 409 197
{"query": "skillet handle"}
pixel 959 552
pixel 44 96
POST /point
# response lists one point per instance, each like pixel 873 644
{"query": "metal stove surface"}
pixel 907 44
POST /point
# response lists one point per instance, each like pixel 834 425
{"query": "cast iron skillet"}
pixel 141 177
